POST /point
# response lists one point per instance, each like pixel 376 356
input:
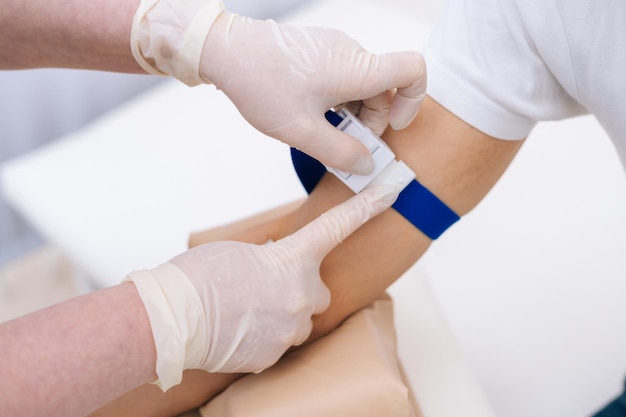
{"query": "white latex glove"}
pixel 283 77
pixel 237 307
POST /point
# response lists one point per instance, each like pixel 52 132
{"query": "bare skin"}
pixel 51 364
pixel 455 161
pixel 67 34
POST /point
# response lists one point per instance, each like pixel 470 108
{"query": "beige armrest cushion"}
pixel 354 371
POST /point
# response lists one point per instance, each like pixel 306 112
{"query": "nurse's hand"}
pixel 237 307
pixel 284 77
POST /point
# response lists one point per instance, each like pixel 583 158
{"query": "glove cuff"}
pixel 177 320
pixel 168 36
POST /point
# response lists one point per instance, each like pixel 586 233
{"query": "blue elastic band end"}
pixel 309 170
pixel 616 408
pixel 333 118
pixel 424 210
pixel 416 203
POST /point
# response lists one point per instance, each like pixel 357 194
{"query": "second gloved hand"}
pixel 237 307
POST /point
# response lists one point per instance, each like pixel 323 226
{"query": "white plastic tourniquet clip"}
pixel 387 170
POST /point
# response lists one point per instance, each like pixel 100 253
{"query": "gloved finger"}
pixel 321 297
pixel 303 326
pixel 405 71
pixel 374 112
pixel 302 323
pixel 324 233
pixel 409 96
pixel 353 107
pixel 337 149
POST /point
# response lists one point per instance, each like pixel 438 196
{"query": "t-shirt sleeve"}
pixel 485 67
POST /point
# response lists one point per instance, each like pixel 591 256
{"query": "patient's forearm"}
pixel 453 160
pixel 244 227
pixel 456 162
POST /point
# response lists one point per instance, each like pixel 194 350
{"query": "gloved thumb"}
pixel 407 72
pixel 320 236
pixel 336 149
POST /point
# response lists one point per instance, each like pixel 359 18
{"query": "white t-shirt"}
pixel 504 65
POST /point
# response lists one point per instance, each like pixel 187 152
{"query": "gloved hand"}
pixel 237 307
pixel 282 77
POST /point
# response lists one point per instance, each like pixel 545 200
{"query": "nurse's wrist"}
pixel 168 37
pixel 216 52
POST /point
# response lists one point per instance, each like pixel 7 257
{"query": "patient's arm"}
pixel 253 229
pixel 455 161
